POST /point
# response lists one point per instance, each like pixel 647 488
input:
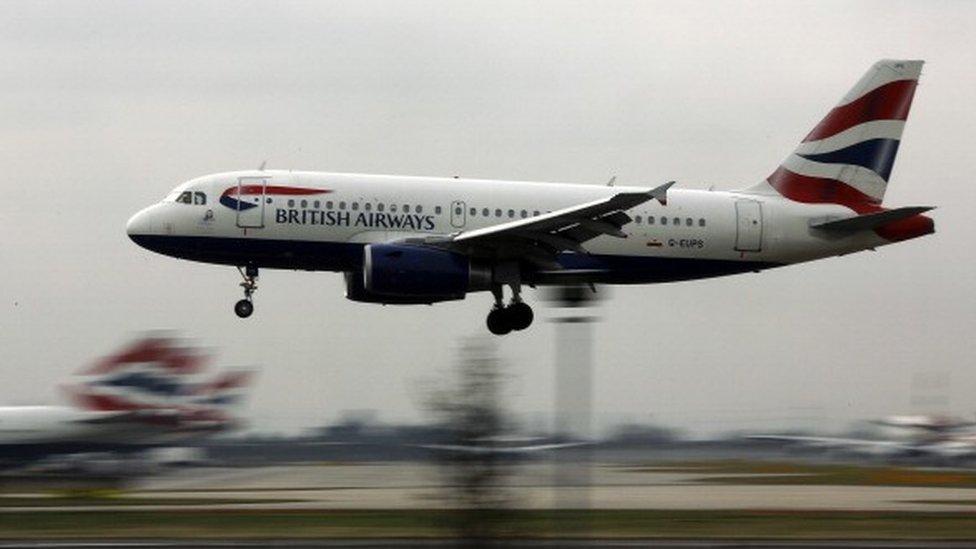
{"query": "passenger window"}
pixel 185 198
pixel 457 210
pixel 677 221
pixel 664 221
pixel 342 205
pixel 392 208
pixel 355 206
pixel 406 208
pixel 291 203
pixel 379 207
pixel 486 212
pixel 535 213
pixel 524 214
pixel 473 212
pixel 511 213
pixel 498 213
pixel 637 220
pixel 304 203
pixel 199 198
pixel 438 210
pixel 368 206
pixel 689 222
pixel 650 220
pixel 701 222
pixel 318 204
pixel 419 209
pixel 328 205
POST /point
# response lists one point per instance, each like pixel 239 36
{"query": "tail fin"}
pixel 848 157
pixel 152 372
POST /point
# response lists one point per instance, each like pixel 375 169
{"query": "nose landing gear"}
pixel 245 307
pixel 516 316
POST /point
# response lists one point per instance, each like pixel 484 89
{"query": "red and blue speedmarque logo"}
pixel 232 196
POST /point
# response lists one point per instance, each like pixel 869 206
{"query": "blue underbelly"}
pixel 339 257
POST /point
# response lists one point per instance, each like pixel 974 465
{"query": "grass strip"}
pixel 808 525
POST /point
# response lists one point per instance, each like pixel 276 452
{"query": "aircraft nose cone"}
pixel 141 224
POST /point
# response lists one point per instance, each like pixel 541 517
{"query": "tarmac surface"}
pixel 535 486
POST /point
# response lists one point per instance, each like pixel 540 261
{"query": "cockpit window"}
pixel 191 197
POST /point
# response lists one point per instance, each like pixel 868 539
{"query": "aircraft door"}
pixel 251 194
pixel 749 226
pixel 458 214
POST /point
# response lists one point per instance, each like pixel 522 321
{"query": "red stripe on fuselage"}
pixel 889 102
pixel 273 189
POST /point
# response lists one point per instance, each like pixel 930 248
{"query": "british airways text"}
pixel 352 219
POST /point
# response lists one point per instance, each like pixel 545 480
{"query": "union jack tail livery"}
pixel 161 381
pixel 848 157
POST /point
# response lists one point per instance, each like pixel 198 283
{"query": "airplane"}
pixel 422 240
pixel 928 423
pixel 146 396
pixel 935 436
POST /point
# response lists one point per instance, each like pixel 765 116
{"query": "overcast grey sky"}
pixel 105 106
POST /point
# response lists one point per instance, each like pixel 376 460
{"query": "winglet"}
pixel 660 193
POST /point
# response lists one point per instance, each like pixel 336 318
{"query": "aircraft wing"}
pixel 540 238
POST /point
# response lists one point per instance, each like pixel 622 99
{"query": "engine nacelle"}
pixel 406 274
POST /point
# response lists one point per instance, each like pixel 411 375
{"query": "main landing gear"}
pixel 245 307
pixel 516 316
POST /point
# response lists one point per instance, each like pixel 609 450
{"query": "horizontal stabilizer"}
pixel 869 221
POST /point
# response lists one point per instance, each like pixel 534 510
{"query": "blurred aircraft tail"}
pixel 149 373
pixel 158 380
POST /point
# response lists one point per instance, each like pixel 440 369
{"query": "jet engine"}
pixel 407 274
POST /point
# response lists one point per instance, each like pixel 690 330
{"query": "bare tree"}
pixel 468 405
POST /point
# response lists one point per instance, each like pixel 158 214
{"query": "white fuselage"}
pixel 23 426
pixel 733 231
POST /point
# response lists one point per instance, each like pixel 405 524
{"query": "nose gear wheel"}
pixel 245 307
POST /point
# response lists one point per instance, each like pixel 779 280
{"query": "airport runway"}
pixel 416 486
